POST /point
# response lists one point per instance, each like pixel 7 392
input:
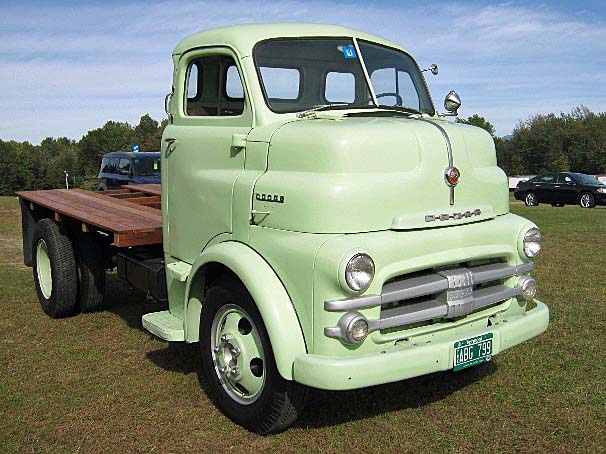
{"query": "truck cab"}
pixel 306 167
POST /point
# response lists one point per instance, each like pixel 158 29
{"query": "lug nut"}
pixel 223 370
pixel 217 348
pixel 226 337
pixel 235 351
pixel 235 371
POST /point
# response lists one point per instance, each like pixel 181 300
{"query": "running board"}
pixel 164 325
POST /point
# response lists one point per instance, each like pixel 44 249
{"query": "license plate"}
pixel 473 351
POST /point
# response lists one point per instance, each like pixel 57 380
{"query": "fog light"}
pixel 359 272
pixel 528 286
pixel 532 242
pixel 357 330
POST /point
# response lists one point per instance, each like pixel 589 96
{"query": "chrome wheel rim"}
pixel 237 353
pixel 43 269
pixel 530 199
pixel 586 200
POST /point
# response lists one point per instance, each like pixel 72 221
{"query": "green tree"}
pixel 480 122
pixel 113 136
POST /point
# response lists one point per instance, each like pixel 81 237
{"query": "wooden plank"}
pixel 129 195
pixel 145 200
pixel 156 205
pixel 115 191
pixel 138 238
pixel 153 189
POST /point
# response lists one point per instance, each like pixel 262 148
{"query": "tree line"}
pixel 24 166
pixel 574 141
pixel 565 142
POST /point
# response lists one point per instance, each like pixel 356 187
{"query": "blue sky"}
pixel 67 67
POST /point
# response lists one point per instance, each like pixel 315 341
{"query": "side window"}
pixel 547 178
pixel 340 87
pixel 233 83
pixel 124 166
pixel 213 87
pixel 567 179
pixel 105 165
pixel 281 83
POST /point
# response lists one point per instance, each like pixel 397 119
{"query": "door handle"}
pixel 557 186
pixel 170 140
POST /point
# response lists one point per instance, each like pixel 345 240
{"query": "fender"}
pixel 267 291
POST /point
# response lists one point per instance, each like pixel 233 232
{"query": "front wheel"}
pixel 587 200
pixel 238 361
pixel 531 200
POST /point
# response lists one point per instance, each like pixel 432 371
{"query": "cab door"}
pixel 200 162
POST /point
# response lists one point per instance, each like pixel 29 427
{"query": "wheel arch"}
pixel 268 292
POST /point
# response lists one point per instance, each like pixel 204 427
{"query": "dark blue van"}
pixel 126 167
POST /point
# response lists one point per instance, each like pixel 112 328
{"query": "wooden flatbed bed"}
pixel 132 214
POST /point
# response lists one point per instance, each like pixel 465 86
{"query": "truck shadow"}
pixel 324 408
pixel 329 408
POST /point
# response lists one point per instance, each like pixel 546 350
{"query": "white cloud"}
pixel 65 70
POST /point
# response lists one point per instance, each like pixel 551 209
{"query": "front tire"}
pixel 241 372
pixel 531 200
pixel 54 266
pixel 587 200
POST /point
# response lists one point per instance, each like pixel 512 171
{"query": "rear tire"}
pixel 91 267
pixel 531 200
pixel 54 267
pixel 233 338
pixel 587 200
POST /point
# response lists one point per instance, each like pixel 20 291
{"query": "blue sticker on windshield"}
pixel 349 52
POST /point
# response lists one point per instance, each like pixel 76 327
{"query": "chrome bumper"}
pixel 444 294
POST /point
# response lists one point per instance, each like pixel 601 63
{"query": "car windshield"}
pixel 146 167
pixel 586 179
pixel 298 74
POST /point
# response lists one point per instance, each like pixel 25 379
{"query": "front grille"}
pixel 436 294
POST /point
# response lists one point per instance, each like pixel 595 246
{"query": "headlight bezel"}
pixel 531 242
pixel 351 265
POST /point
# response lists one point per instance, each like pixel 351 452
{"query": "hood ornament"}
pixel 452 175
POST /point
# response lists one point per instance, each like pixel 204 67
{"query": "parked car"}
pixel 124 167
pixel 562 188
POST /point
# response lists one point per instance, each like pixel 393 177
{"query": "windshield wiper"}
pixel 403 109
pixel 321 107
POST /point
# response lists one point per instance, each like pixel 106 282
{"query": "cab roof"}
pixel 244 37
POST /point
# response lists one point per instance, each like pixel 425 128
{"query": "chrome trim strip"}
pixel 425 285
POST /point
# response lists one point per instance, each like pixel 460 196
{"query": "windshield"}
pixel 586 179
pixel 146 167
pixel 302 73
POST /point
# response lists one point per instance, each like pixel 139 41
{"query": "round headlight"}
pixel 359 272
pixel 357 330
pixel 528 286
pixel 532 242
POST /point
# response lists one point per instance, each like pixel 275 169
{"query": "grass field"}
pixel 99 382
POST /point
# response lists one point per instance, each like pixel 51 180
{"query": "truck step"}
pixel 164 325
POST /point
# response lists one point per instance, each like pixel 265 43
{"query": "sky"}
pixel 69 66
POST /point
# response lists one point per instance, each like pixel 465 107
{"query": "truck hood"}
pixel 359 174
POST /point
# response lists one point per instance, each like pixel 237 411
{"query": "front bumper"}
pixel 399 363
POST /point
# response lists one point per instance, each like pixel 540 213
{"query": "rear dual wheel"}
pixel 67 279
pixel 240 368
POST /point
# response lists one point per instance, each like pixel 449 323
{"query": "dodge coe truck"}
pixel 319 224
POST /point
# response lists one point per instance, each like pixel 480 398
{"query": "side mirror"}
pixel 433 68
pixel 452 102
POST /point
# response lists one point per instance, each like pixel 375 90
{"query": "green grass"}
pixel 99 382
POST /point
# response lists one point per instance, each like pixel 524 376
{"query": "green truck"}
pixel 322 225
